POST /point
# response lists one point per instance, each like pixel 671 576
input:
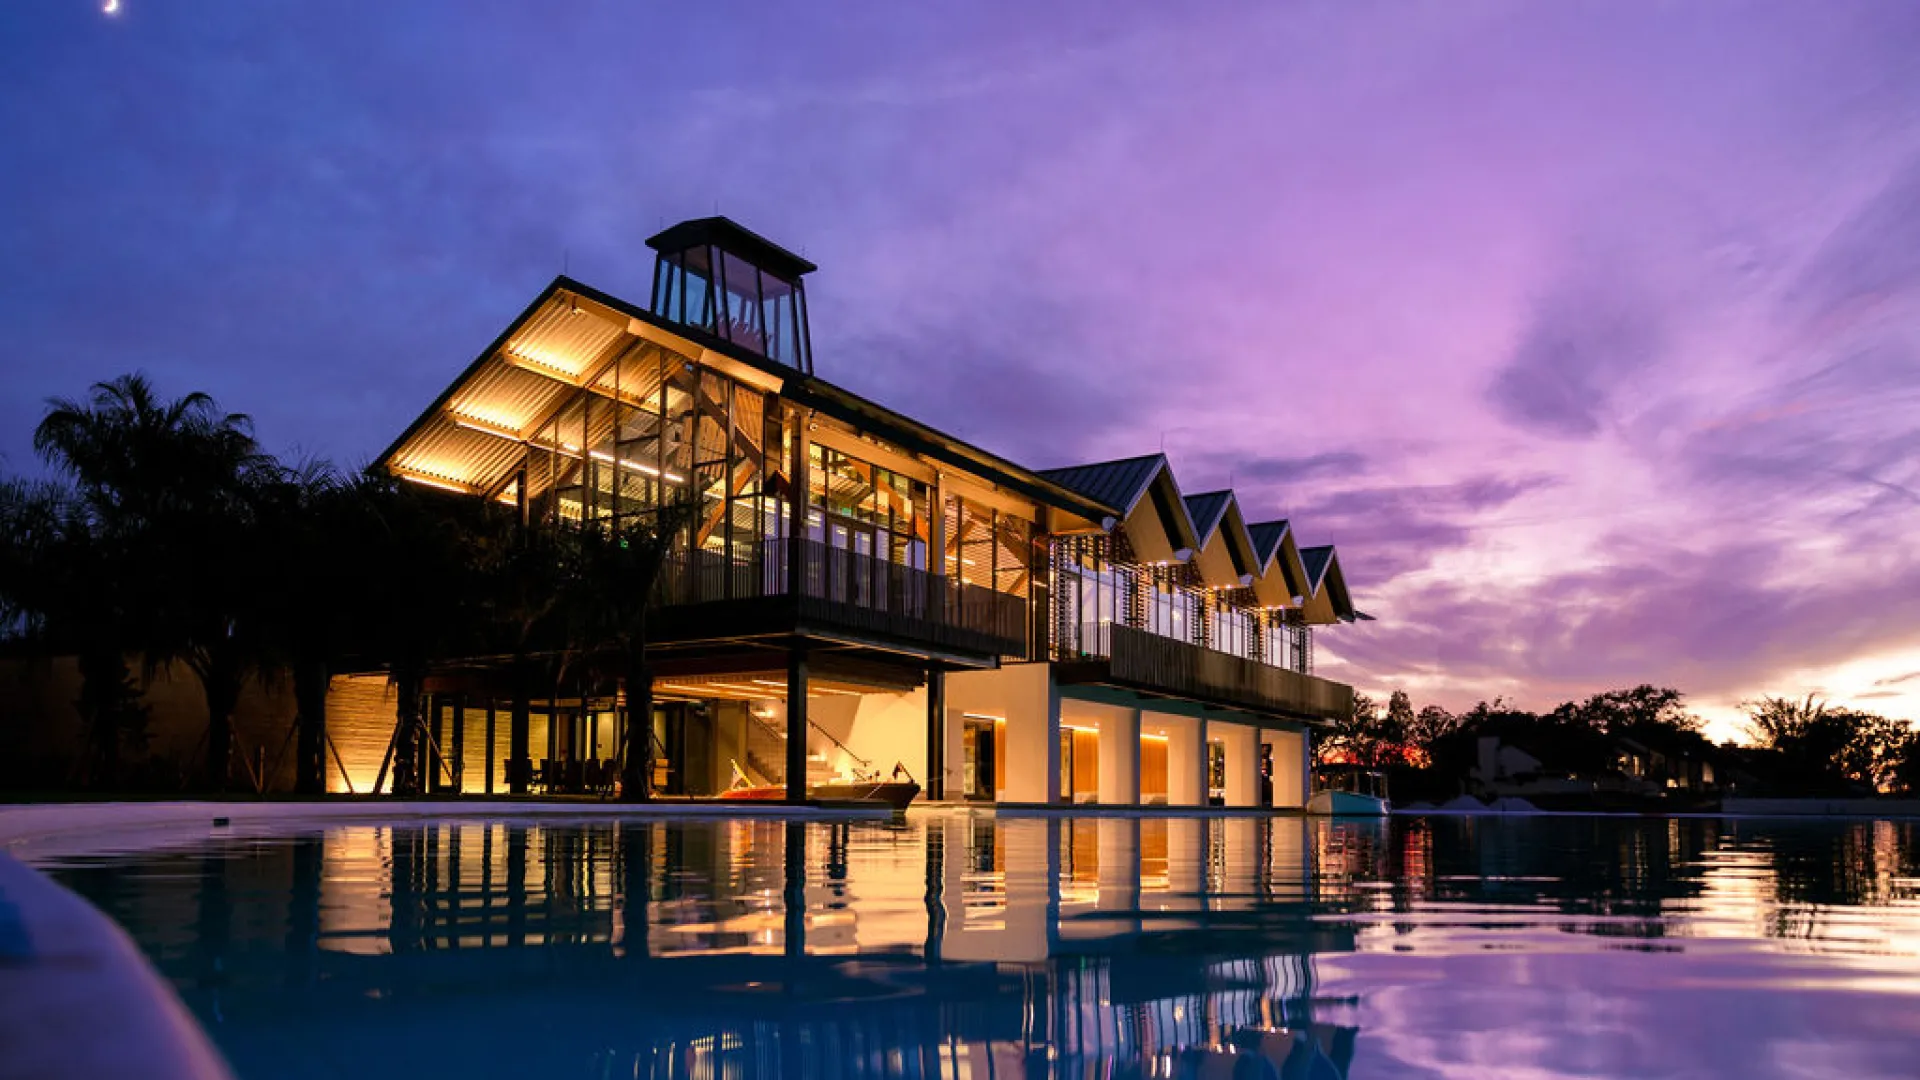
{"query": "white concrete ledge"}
pixel 42 830
pixel 78 1000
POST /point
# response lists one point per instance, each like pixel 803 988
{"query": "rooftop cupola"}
pixel 713 275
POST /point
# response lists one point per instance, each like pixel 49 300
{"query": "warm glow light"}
pixel 628 463
pixel 111 7
pixel 443 485
pixel 485 427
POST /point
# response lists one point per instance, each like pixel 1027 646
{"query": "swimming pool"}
pixel 961 945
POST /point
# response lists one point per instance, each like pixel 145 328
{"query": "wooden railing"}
pixel 1147 661
pixel 848 590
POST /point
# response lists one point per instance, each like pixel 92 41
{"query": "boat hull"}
pixel 894 794
pixel 1346 804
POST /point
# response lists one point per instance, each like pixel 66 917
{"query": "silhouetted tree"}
pixel 1369 735
pixel 1825 750
pixel 61 593
pixel 166 487
pixel 1428 726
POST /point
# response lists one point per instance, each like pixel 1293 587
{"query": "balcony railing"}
pixel 1142 660
pixel 847 590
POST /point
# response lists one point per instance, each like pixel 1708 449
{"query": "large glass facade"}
pixel 654 430
pixel 1092 590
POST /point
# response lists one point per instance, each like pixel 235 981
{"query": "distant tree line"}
pixel 1797 746
pixel 167 537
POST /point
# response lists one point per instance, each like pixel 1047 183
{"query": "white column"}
pixel 1119 758
pixel 1033 735
pixel 1186 761
pixel 1290 779
pixel 1243 763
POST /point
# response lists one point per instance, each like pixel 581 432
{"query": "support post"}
pixel 458 766
pixel 937 585
pixel 520 733
pixel 936 785
pixel 636 782
pixel 1120 758
pixel 491 729
pixel 797 726
pixel 799 484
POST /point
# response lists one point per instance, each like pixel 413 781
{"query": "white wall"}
pixel 882 728
pixel 1186 758
pixel 1025 697
pixel 1291 776
pixel 1119 748
pixel 1243 761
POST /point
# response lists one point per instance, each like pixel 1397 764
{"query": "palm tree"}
pixel 168 490
pixel 58 590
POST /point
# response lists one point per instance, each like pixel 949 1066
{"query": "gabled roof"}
pixel 1329 601
pixel 474 435
pixel 1207 509
pixel 1266 538
pixel 1118 484
pixel 1283 577
pixel 1152 510
pixel 1317 560
pixel 1227 557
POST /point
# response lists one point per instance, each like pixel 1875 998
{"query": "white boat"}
pixel 1348 791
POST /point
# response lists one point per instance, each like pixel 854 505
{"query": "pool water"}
pixel 965 946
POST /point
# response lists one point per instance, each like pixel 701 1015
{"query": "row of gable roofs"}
pixel 1211 531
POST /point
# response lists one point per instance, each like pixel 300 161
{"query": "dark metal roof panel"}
pixel 1118 484
pixel 730 235
pixel 1317 559
pixel 1267 536
pixel 1207 510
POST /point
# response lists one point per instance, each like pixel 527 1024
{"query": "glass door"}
pixel 977 761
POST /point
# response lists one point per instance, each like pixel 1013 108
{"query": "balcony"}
pixel 1149 663
pixel 841 594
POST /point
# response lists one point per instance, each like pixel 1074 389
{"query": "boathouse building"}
pixel 853 589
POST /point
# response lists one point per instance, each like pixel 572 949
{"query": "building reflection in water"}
pixel 950 945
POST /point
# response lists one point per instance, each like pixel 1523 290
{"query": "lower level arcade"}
pixel 1011 735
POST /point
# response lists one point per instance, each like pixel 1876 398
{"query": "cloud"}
pixel 1728 620
pixel 1583 340
pixel 1870 261
pixel 1330 464
pixel 976 379
pixel 1392 530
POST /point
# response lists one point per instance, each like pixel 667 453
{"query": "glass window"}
pixel 779 320
pixel 743 320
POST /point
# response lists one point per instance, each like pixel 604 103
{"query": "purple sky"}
pixel 1587 331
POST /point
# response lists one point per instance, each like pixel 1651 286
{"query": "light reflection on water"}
pixel 958 945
